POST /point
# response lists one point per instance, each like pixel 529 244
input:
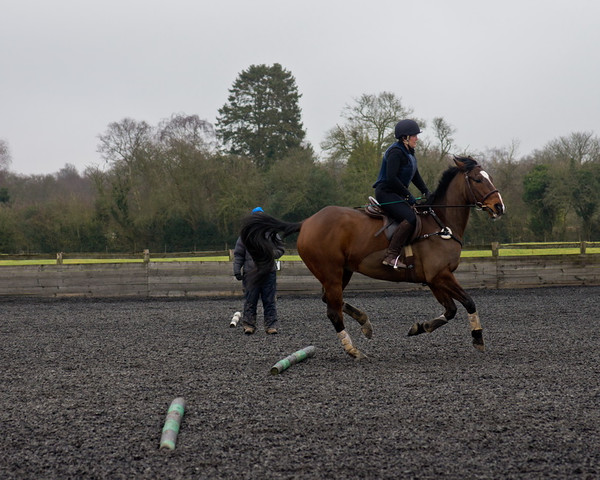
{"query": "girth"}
pixel 445 231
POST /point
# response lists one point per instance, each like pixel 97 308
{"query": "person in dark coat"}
pixel 398 170
pixel 244 269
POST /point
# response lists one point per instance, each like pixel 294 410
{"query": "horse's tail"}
pixel 259 235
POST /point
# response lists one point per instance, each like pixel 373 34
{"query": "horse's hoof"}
pixel 356 354
pixel 367 330
pixel 360 357
pixel 416 329
pixel 478 340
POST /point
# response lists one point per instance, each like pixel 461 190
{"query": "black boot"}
pixel 399 238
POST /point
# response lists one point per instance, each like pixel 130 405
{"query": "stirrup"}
pixel 397 265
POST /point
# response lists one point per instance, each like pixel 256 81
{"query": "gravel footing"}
pixel 86 383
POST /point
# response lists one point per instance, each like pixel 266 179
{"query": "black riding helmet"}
pixel 406 128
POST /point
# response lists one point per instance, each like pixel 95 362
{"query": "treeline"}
pixel 184 184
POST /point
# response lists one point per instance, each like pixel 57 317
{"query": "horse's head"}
pixel 480 189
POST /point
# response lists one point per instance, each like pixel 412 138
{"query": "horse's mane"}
pixel 447 177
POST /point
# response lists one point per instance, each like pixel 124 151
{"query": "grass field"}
pixel 511 252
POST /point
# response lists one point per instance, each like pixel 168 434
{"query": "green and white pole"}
pixel 292 359
pixel 172 424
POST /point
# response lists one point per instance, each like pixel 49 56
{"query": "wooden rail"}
pixel 203 279
pixel 583 246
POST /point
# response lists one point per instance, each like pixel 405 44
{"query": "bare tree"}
pixel 5 158
pixel 189 130
pixel 370 120
pixel 125 141
pixel 443 132
pixel 129 149
pixel 576 149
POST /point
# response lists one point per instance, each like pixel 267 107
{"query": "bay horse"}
pixel 337 241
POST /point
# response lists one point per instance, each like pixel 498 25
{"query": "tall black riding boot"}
pixel 399 238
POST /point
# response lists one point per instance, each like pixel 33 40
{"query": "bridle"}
pixel 446 232
pixel 474 204
pixel 478 204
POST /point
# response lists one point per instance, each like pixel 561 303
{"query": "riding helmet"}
pixel 405 128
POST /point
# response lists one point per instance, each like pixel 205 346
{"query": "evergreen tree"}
pixel 262 119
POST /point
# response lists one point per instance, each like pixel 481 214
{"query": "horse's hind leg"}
pixel 357 314
pixel 361 317
pixel 333 297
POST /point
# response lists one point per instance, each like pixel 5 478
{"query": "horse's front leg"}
pixel 476 331
pixel 446 290
pixel 458 293
pixel 446 300
pixel 428 327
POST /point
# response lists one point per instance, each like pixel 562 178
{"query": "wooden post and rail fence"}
pixel 188 275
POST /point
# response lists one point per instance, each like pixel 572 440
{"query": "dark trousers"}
pixel 395 206
pixel 266 291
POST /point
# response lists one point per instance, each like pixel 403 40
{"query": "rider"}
pixel 398 170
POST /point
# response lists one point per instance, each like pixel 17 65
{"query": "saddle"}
pixel 374 210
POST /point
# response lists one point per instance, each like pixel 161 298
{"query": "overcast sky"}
pixel 497 71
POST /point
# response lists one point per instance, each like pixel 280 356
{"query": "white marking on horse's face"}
pixel 485 175
pixel 503 205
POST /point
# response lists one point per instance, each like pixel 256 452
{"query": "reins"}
pixel 425 205
pixel 476 204
pixel 445 231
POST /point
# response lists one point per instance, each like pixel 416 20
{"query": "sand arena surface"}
pixel 86 385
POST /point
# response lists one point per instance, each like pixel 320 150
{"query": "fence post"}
pixel 495 249
pixel 583 247
pixel 146 256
